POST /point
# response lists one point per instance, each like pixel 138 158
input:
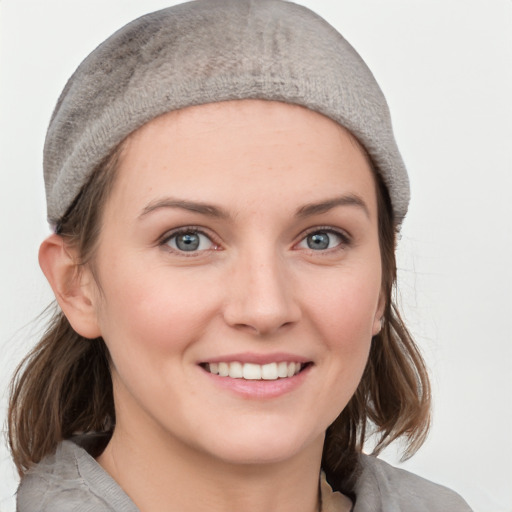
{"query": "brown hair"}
pixel 393 398
pixel 64 387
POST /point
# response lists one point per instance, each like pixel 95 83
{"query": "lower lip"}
pixel 259 389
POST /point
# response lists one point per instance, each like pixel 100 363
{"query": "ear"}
pixel 74 287
pixel 379 314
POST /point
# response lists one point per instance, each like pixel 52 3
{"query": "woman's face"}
pixel 240 238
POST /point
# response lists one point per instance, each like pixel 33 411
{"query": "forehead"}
pixel 262 116
pixel 242 150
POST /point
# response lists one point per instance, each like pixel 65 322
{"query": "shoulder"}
pixel 70 480
pixel 381 486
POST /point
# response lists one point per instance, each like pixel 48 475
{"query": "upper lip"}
pixel 254 358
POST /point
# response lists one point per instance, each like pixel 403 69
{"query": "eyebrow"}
pixel 324 206
pixel 214 211
pixel 193 206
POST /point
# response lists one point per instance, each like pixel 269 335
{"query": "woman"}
pixel 225 191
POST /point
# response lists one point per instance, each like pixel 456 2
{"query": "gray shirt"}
pixel 72 481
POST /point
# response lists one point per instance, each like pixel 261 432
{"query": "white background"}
pixel 446 69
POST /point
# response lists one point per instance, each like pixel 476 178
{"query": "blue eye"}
pixel 189 241
pixel 321 240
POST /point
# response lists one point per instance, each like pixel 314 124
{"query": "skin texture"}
pixel 254 289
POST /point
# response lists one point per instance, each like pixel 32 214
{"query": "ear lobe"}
pixel 379 315
pixel 72 286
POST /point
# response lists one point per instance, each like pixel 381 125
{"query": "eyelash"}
pixel 192 230
pixel 345 240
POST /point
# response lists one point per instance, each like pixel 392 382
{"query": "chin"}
pixel 263 445
pixel 257 454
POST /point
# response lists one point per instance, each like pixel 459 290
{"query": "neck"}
pixel 160 476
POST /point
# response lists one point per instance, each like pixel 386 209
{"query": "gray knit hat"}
pixel 208 51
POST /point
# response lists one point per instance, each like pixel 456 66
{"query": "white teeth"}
pixel 236 370
pixel 269 371
pixel 282 369
pixel 223 369
pixel 251 371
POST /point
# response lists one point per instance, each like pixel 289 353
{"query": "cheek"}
pixel 344 316
pixel 346 305
pixel 149 323
pixel 151 313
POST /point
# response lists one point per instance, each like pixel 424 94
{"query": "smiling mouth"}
pixel 251 371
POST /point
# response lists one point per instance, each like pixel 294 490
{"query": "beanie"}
pixel 208 51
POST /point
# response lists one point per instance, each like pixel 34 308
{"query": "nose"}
pixel 260 295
